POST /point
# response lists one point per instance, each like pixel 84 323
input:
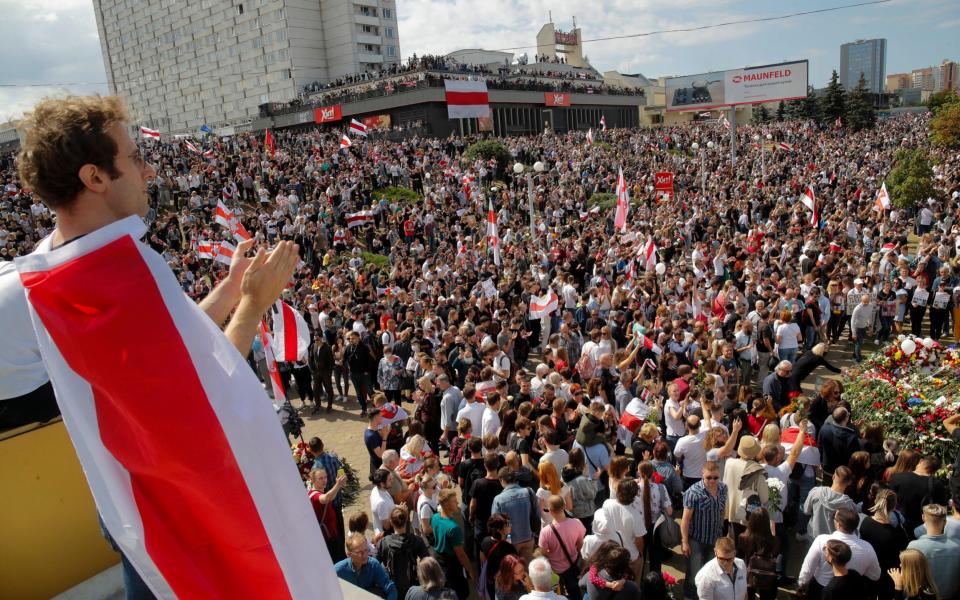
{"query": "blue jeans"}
pixel 788 354
pixel 700 554
pixel 802 489
pixel 810 336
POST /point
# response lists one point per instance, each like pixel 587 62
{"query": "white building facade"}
pixel 180 64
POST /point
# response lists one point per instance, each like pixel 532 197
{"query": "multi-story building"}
pixel 898 81
pixel 923 78
pixel 868 57
pixel 180 65
pixel 946 76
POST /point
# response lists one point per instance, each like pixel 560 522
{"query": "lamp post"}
pixel 703 167
pixel 763 155
pixel 538 167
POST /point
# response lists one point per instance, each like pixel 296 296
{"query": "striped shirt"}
pixel 707 523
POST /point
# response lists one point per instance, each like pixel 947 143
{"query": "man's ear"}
pixel 93 179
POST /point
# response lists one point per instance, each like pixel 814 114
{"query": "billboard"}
pixel 565 38
pixel 377 122
pixel 556 99
pixel 664 184
pixel 769 83
pixel 328 114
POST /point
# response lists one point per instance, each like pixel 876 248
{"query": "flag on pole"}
pixel 358 128
pixel 205 249
pixel 291 336
pixel 492 237
pixel 135 430
pixel 725 122
pixel 603 123
pixel 208 154
pixel 268 142
pixel 223 215
pixel 650 345
pixel 345 141
pixel 648 252
pixel 191 147
pixel 359 218
pixel 149 134
pixel 223 252
pixel 883 198
pixel 590 136
pixel 239 232
pixel 623 203
pixel 276 383
pixel 809 200
pixel 541 306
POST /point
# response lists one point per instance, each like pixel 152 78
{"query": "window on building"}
pixel 388 31
pixel 387 13
pixel 391 51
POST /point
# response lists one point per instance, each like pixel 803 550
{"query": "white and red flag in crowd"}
pixel 466 99
pixel 209 154
pixel 223 252
pixel 291 336
pixel 590 136
pixel 345 141
pixel 205 249
pixel 541 306
pixel 650 345
pixel 785 146
pixel 810 201
pixel 603 123
pixel 883 198
pixel 634 415
pixel 493 238
pixel 648 252
pixel 239 232
pixel 149 134
pixel 180 445
pixel 623 203
pixel 276 383
pixel 223 215
pixel 191 147
pixel 724 122
pixel 359 218
pixel 358 128
pixel 268 142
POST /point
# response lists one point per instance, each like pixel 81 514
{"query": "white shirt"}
pixel 863 559
pixel 690 449
pixel 21 368
pixel 628 522
pixel 714 584
pixel 491 421
pixel 675 427
pixel 381 504
pixel 535 595
pixel 782 473
pixel 473 411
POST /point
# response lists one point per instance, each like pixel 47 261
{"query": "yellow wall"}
pixel 49 536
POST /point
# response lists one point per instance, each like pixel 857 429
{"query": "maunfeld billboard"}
pixel 770 83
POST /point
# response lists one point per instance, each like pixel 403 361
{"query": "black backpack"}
pixel 762 572
pixel 401 561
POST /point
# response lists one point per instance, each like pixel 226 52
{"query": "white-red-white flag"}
pixel 542 306
pixel 648 252
pixel 590 136
pixel 223 252
pixel 358 128
pixel 345 141
pixel 466 99
pixel 725 122
pixel 785 146
pixel 650 345
pixel 623 203
pixel 809 200
pixel 276 383
pixel 883 198
pixel 239 232
pixel 603 123
pixel 209 154
pixel 359 218
pixel 205 249
pixel 493 238
pixel 191 147
pixel 149 134
pixel 223 215
pixel 177 439
pixel 291 336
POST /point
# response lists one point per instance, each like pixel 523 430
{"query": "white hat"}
pixel 857 281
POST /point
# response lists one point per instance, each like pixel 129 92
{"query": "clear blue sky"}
pixel 55 41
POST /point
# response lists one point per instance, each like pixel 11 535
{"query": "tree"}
pixel 941 99
pixel 486 150
pixel 809 106
pixel 911 180
pixel 781 111
pixel 946 126
pixel 832 101
pixel 859 112
pixel 760 114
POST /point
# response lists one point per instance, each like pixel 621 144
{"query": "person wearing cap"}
pixel 853 299
pixel 744 477
pixel 861 324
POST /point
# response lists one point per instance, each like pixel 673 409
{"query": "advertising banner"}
pixel 328 114
pixel 752 85
pixel 663 184
pixel 556 99
pixel 377 122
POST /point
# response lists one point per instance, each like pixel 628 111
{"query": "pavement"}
pixel 342 432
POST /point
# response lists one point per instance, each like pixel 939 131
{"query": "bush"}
pixel 911 179
pixel 486 150
pixel 946 126
pixel 606 200
pixel 397 194
pixel 380 260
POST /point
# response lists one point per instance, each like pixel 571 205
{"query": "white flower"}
pixel 939 401
pixel 774 483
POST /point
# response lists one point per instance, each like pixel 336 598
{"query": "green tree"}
pixel 781 111
pixel 832 101
pixel 946 126
pixel 941 99
pixel 809 107
pixel 911 181
pixel 486 150
pixel 859 110
pixel 760 114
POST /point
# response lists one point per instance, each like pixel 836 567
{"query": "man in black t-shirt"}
pixel 916 489
pixel 482 492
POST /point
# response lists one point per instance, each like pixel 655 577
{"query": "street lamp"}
pixel 763 156
pixel 703 167
pixel 538 167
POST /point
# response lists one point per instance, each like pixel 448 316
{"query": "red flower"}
pixel 793 394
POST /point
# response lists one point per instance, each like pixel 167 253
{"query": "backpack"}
pixel 585 366
pixel 401 562
pixel 762 572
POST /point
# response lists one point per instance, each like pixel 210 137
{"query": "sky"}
pixel 55 41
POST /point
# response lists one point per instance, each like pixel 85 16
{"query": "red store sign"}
pixel 327 114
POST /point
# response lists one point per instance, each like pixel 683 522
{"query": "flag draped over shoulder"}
pixel 180 444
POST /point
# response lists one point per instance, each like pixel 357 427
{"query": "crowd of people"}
pixel 661 413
